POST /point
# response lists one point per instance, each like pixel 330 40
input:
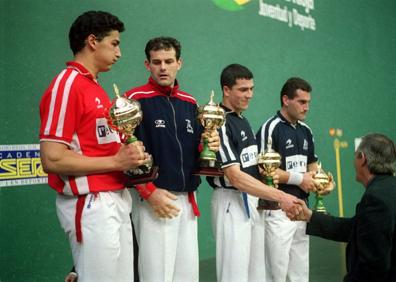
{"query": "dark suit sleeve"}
pixel 374 233
pixel 330 227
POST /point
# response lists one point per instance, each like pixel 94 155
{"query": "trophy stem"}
pixel 319 205
pixel 269 180
pixel 131 139
pixel 206 153
pixel 266 204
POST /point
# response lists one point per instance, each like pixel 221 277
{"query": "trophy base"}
pixel 319 205
pixel 267 205
pixel 134 179
pixel 321 210
pixel 209 168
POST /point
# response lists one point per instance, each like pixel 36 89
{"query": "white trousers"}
pixel 239 239
pixel 106 251
pixel 168 248
pixel 287 248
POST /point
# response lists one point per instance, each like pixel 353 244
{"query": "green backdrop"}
pixel 349 59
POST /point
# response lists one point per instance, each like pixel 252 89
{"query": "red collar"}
pixel 165 90
pixel 80 68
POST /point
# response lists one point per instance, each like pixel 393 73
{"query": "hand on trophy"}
pixel 124 116
pixel 272 175
pixel 213 139
pixel 325 184
pixel 131 156
pixel 269 161
pixel 308 183
pixel 211 116
pixel 275 179
pixel 325 188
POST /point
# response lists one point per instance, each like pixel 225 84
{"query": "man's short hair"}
pixel 232 72
pixel 97 23
pixel 292 85
pixel 163 43
pixel 380 153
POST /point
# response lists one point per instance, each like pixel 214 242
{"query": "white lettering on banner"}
pixel 296 163
pixel 249 156
pixel 290 15
pixel 104 133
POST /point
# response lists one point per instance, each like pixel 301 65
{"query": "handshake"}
pixel 302 213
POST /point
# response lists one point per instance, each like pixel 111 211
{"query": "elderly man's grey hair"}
pixel 380 153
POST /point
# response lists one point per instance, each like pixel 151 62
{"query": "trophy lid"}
pixel 124 113
pixel 269 156
pixel 212 111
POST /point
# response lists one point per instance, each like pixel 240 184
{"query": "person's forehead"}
pixel 243 82
pixel 302 94
pixel 163 54
pixel 114 34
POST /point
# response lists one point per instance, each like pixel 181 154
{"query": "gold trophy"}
pixel 268 161
pixel 124 116
pixel 211 116
pixel 323 179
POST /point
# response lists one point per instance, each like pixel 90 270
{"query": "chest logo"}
pixel 289 144
pixel 159 123
pixel 189 126
pixel 98 103
pixel 243 135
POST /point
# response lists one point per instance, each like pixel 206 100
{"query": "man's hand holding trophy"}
pixel 324 185
pixel 268 161
pixel 211 116
pixel 124 116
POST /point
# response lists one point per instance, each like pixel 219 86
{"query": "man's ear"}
pixel 180 62
pixel 226 90
pixel 361 156
pixel 147 64
pixel 285 100
pixel 91 41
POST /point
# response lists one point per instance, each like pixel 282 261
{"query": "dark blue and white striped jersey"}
pixel 238 146
pixel 295 143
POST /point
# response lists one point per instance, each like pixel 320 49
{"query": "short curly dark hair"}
pixel 232 72
pixel 292 85
pixel 163 43
pixel 98 23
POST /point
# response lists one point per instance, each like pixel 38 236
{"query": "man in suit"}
pixel 371 236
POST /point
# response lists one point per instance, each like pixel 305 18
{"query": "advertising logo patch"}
pixel 21 165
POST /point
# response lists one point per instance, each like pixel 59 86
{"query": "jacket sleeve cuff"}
pixel 146 190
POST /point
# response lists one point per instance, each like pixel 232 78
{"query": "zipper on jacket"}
pixel 178 142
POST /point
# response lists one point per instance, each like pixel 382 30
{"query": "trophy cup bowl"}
pixel 323 179
pixel 211 116
pixel 124 116
pixel 268 161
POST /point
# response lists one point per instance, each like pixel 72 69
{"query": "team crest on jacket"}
pixel 189 126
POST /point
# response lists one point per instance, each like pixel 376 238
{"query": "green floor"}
pixel 327 263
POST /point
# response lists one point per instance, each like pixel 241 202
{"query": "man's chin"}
pixel 164 83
